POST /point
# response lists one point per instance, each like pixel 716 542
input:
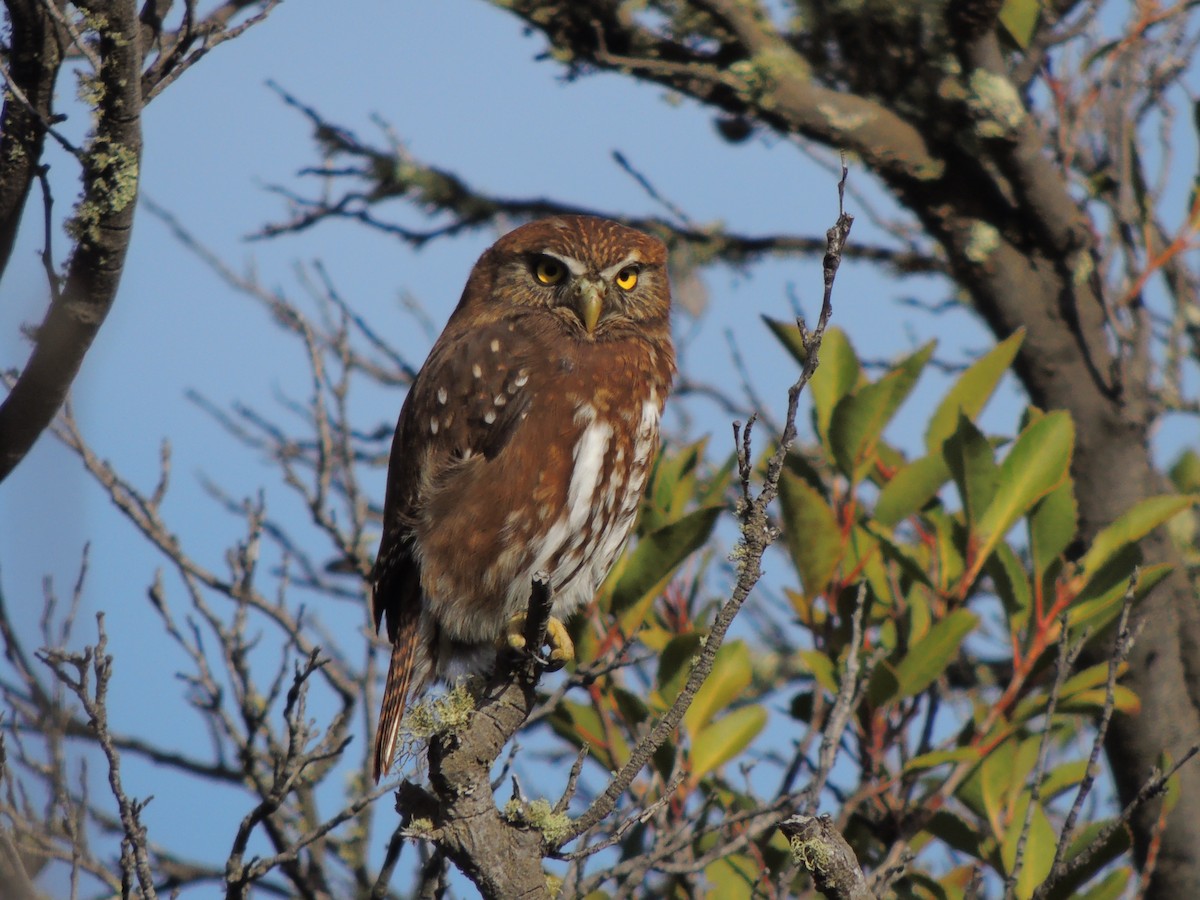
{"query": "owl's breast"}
pixel 610 464
pixel 560 497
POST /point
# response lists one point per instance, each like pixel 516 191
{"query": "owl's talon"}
pixel 514 637
pixel 562 648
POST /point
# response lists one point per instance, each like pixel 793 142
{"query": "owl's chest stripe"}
pixel 603 496
pixel 589 463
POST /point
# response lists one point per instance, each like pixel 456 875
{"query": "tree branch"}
pixel 101 227
pixel 33 59
pixel 824 853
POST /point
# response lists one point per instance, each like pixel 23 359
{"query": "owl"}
pixel 523 446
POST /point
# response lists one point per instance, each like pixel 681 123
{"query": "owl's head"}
pixel 598 278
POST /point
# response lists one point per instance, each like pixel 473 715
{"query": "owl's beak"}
pixel 591 303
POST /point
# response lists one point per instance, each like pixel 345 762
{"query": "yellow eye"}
pixel 548 270
pixel 627 278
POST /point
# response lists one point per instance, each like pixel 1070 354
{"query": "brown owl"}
pixel 523 446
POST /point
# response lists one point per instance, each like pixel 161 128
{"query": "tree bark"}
pixel 34 63
pixel 102 226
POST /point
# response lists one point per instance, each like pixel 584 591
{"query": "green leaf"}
pixel 972 391
pixel 789 335
pixel 730 676
pixel 910 489
pixel 970 459
pixel 937 758
pixel 1039 847
pixel 581 724
pixel 675 664
pixel 1111 887
pixel 1063 778
pixel 656 556
pixel 1052 526
pixel 1100 600
pixel 838 374
pixel 860 417
pixel 712 488
pixel 983 790
pixel 950 546
pixel 1019 19
pixel 1011 583
pixel 884 687
pixel 1082 692
pixel 811 531
pixel 673 486
pixel 928 657
pixel 1185 473
pixel 1124 701
pixel 823 670
pixel 956 832
pixel 864 557
pixel 1117 844
pixel 1092 676
pixel 920 616
pixel 910 558
pixel 1036 465
pixel 726 738
pixel 732 876
pixel 927 888
pixel 1131 527
pixel 631 706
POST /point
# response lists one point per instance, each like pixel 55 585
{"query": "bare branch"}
pixel 135 857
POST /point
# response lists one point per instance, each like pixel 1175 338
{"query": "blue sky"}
pixel 458 82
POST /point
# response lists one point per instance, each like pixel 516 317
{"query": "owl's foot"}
pixel 562 648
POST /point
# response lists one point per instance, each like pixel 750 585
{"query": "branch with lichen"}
pixel 101 227
pixel 500 850
pixel 820 850
pixel 376 175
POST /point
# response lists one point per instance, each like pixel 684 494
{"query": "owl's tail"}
pixel 396 692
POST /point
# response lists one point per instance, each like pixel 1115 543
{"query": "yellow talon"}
pixel 562 648
pixel 515 635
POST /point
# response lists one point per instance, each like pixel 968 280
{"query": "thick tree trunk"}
pixel 1034 280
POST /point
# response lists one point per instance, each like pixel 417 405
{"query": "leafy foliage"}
pixel 968 568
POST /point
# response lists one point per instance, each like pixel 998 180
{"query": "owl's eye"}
pixel 548 270
pixel 627 278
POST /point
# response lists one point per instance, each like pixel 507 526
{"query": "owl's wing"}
pixel 466 402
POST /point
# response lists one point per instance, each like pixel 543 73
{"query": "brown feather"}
pixel 395 692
